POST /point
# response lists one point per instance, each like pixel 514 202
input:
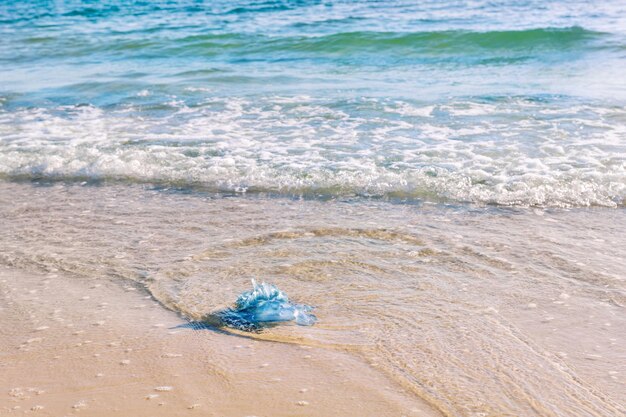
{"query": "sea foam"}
pixel 553 152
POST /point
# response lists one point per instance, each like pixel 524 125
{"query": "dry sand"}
pixel 72 345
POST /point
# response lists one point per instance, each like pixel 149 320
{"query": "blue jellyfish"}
pixel 264 304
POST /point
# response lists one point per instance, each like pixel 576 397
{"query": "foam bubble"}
pixel 510 152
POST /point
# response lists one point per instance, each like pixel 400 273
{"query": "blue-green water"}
pixel 489 102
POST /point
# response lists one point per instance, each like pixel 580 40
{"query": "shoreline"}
pixel 435 302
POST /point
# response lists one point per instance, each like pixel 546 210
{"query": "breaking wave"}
pixel 515 151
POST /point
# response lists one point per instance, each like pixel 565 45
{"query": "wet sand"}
pixel 71 345
pixel 476 311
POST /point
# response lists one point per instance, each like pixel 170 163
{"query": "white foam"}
pixel 512 153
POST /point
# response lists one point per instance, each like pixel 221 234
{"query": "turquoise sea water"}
pixel 489 102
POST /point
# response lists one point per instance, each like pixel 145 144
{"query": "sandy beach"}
pixel 92 347
pixel 421 310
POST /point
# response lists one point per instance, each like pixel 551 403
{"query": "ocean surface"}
pixel 489 102
pixel 445 182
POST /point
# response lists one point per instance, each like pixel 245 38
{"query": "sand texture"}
pixel 71 346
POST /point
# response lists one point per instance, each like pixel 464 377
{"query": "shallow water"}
pixel 480 311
